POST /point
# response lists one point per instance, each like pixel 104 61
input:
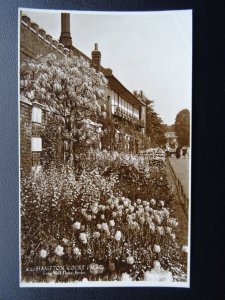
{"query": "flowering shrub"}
pixel 137 175
pixel 73 95
pixel 88 220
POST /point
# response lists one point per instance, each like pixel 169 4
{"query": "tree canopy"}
pixel 154 126
pixel 182 127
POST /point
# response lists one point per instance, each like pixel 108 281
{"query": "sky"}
pixel 148 51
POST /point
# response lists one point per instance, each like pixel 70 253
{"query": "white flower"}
pixel 43 253
pixel 141 210
pixel 102 217
pixel 131 208
pixel 118 235
pixel 161 203
pixel 117 206
pixel 83 211
pixel 142 220
pixel 94 209
pixel 157 248
pixel 152 202
pixel 84 279
pixel 156 265
pixel 88 218
pixel 120 213
pixel 173 236
pixel 134 225
pixel 129 218
pixel 166 212
pixel 160 230
pixel 94 268
pixel 125 203
pixel 105 226
pixel 172 222
pixel 59 250
pixel 83 237
pixel 168 230
pixel 76 225
pixel 130 260
pixel 109 201
pixel 101 269
pixel 149 276
pixel 138 201
pixel 147 208
pixel 126 277
pixel 134 216
pixel 112 223
pixel 185 249
pixel 99 226
pixel 77 251
pixel 157 219
pixel 114 214
pixel 65 241
pixel 97 234
pixel 152 227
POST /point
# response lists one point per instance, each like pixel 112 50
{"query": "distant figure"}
pixel 167 150
pixel 188 151
pixel 178 152
pixel 184 152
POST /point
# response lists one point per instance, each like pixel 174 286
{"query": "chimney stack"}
pixel 65 37
pixel 96 58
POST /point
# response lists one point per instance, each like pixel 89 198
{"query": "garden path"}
pixel 182 229
pixel 181 169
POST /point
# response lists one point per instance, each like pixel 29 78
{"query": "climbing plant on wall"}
pixel 74 94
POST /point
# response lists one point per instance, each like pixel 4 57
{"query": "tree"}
pixel 74 93
pixel 182 127
pixel 154 126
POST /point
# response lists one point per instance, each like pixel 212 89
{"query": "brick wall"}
pixel 25 135
pixel 34 41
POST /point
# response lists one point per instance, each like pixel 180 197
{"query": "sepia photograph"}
pixel 105 106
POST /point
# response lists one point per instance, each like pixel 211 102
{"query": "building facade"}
pixel 171 139
pixel 126 114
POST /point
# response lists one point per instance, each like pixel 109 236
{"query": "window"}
pixel 36 114
pixel 125 106
pixel 36 144
pixel 136 113
pixel 129 108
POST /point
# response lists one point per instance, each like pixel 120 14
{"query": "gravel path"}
pixel 182 230
pixel 181 168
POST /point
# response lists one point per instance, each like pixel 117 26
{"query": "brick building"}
pixel 125 109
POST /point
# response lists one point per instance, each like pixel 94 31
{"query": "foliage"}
pixel 52 143
pixel 70 90
pixel 69 219
pixel 182 127
pixel 154 126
